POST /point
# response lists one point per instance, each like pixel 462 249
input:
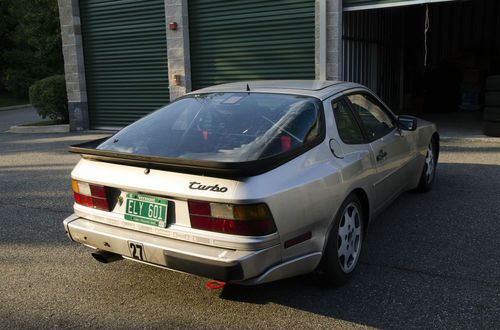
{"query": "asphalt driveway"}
pixel 10 118
pixel 430 261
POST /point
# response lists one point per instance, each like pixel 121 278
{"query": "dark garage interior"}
pixel 437 74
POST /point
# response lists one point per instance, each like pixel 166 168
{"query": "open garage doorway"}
pixel 440 74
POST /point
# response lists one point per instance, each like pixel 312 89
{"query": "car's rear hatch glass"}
pixel 223 127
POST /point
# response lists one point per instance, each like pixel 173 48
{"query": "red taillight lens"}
pixel 90 195
pixel 100 203
pixel 83 200
pixel 247 220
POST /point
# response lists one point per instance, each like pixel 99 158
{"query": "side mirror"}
pixel 407 123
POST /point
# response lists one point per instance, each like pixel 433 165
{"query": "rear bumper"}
pixel 218 263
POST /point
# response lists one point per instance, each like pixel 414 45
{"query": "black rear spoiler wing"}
pixel 88 150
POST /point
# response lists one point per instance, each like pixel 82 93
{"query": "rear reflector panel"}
pixel 247 220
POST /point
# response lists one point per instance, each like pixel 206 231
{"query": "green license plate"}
pixel 146 209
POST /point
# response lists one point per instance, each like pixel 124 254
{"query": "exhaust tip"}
pixel 106 257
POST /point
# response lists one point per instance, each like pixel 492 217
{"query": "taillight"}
pixel 90 195
pixel 248 220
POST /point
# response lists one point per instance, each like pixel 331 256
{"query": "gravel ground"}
pixel 430 260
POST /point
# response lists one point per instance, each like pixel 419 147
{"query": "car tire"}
pixel 491 114
pixel 492 99
pixel 493 83
pixel 429 171
pixel 343 248
pixel 491 128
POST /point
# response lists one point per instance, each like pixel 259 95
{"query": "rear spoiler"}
pixel 88 150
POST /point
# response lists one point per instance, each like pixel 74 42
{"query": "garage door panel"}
pixel 125 59
pixel 251 40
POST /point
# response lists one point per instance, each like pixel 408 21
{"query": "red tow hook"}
pixel 214 285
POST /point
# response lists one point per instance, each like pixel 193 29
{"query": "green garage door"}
pixel 125 53
pixel 250 39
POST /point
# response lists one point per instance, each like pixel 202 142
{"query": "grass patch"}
pixel 7 101
pixel 42 123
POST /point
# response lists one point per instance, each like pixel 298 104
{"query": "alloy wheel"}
pixel 349 238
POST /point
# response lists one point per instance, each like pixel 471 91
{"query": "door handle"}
pixel 381 155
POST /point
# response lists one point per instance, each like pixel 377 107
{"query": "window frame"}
pixel 345 100
pixel 374 99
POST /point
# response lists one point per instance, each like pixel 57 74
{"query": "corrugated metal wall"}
pixel 251 39
pixel 125 59
pixel 372 52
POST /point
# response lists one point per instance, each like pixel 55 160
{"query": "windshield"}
pixel 224 127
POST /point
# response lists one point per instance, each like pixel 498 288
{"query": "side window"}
pixel 376 122
pixel 347 127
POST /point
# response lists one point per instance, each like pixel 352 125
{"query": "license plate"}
pixel 149 210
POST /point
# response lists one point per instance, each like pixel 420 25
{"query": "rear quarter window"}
pixel 347 127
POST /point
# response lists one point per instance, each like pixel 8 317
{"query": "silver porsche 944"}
pixel 250 182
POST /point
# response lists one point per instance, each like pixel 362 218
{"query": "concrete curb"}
pixel 14 107
pixel 40 129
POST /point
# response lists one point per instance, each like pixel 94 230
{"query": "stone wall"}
pixel 333 40
pixel 178 47
pixel 74 67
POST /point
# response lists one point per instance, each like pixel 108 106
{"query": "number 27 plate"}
pixel 146 209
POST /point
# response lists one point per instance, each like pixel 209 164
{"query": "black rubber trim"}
pixel 201 167
pixel 196 266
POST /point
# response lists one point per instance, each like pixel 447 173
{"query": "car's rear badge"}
pixel 198 186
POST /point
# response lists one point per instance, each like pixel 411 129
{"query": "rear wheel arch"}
pixel 361 194
pixel 338 249
pixel 365 204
